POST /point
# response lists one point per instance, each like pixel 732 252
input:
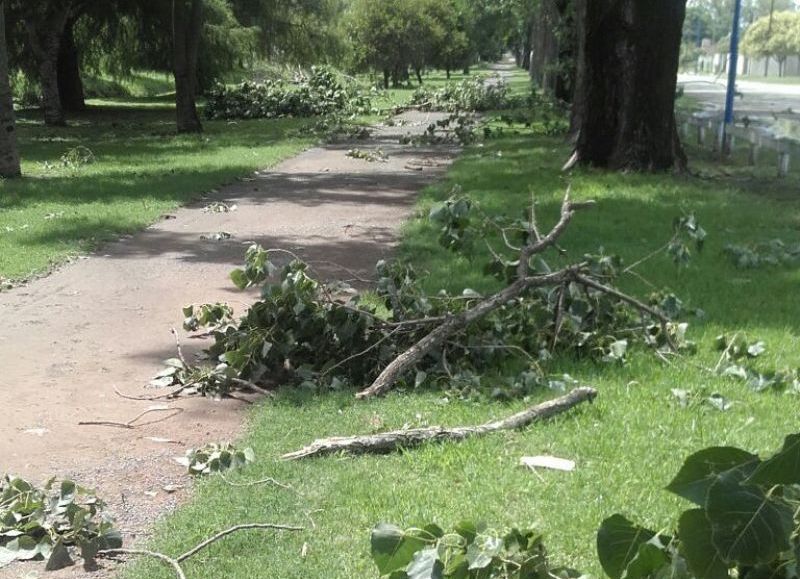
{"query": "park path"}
pixel 104 322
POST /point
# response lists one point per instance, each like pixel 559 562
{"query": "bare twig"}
pixel 178 347
pixel 255 483
pixel 196 549
pixel 176 566
pixel 568 209
pixel 166 396
pixel 359 354
pixel 650 255
pixel 663 320
pixel 724 354
pixel 558 316
pixel 132 422
pixel 251 386
pixel 396 439
pixel 175 562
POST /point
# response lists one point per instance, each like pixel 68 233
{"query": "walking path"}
pixel 104 322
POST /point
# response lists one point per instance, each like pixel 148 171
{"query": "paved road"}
pixel 756 99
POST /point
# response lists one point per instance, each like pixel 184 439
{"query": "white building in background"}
pixel 766 67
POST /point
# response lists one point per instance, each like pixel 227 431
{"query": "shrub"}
pixel 472 94
pixel 319 93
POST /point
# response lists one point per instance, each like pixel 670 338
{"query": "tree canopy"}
pixel 776 36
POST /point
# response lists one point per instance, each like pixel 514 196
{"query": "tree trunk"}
pixel 70 86
pixel 386 78
pixel 44 36
pixel 9 154
pixel 418 72
pixel 186 41
pixel 628 70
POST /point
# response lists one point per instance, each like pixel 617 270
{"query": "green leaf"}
pixel 59 557
pixel 694 531
pixel 239 279
pixel 747 526
pixel 468 530
pixel 426 565
pixel 700 470
pixel 481 552
pixel 393 548
pixel 782 468
pixel 618 542
pixel 650 557
pixel 756 349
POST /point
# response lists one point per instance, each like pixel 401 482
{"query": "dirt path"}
pixel 67 340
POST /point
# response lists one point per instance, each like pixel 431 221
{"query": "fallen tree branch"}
pixel 175 562
pixel 400 365
pixel 389 441
pixel 131 424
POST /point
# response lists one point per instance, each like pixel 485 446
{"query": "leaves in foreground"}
pixel 50 522
pixel 743 524
pixel 213 458
pixel 470 551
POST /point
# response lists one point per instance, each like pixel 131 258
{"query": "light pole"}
pixel 733 63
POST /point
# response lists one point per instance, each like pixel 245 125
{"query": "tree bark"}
pixel 394 440
pixel 628 74
pixel 186 42
pixel 44 35
pixel 9 154
pixel 70 85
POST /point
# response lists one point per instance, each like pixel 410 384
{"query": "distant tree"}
pixel 187 21
pixel 776 36
pixel 295 31
pixel 381 37
pixel 44 22
pixel 9 154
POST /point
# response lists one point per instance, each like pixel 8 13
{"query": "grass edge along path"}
pixel 627 445
pixel 114 171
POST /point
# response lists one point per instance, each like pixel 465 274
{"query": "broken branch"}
pixel 175 562
pixel 400 365
pixel 389 441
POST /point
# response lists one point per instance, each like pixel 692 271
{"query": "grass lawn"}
pixel 141 170
pixel 627 445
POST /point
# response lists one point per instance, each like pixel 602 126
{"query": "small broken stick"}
pixel 386 442
pixel 132 423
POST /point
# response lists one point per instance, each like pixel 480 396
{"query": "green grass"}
pixel 627 445
pixel 142 170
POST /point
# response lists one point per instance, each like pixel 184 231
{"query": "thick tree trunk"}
pixel 386 78
pixel 44 36
pixel 70 85
pixel 9 154
pixel 628 70
pixel 186 41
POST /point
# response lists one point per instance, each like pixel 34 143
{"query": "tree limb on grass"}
pixel 537 243
pixel 390 441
